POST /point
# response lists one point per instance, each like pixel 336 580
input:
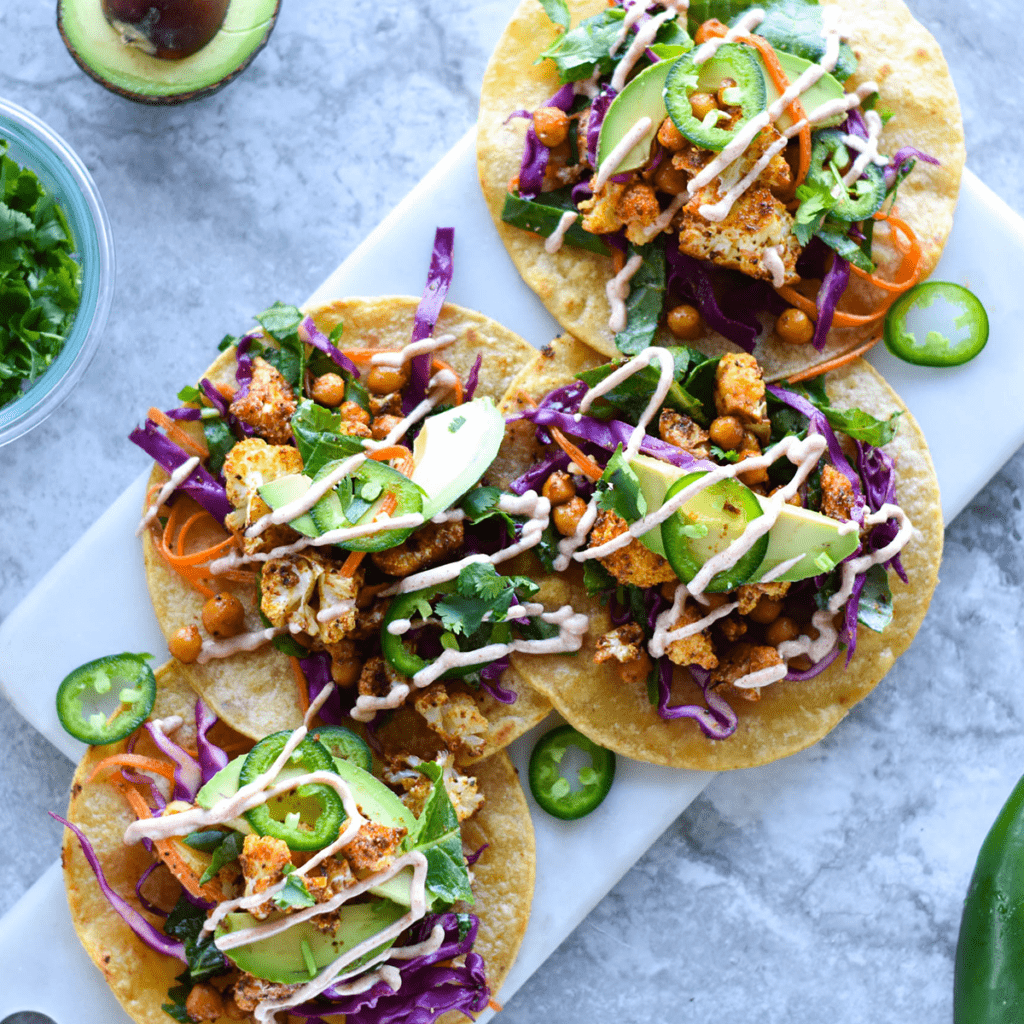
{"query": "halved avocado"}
pixel 101 52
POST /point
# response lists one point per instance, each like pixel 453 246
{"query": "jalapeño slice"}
pixel 706 525
pixel 344 744
pixel 732 62
pixel 358 499
pixel 131 687
pixel 306 818
pixel 551 785
pixel 951 336
pixel 411 606
pixel 830 158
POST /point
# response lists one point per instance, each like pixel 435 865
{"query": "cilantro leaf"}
pixel 875 606
pixel 225 853
pixel 481 503
pixel 317 436
pixel 281 322
pixel 578 52
pixel 558 12
pixel 294 893
pixel 185 922
pixel 619 489
pixel 645 302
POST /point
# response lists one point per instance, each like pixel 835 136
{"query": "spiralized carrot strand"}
pixel 177 435
pixel 395 451
pixel 349 566
pixel 522 396
pixel 910 253
pixel 586 464
pixel 149 764
pixel 834 364
pixel 709 29
pixel 301 686
pixel 440 364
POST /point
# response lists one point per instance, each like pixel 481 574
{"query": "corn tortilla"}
pixel 790 715
pixel 893 49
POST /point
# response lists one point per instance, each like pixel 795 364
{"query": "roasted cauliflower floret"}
pixel 750 593
pixel 696 649
pixel 335 591
pixel 379 677
pixel 599 213
pixel 268 405
pixel 637 207
pixel 402 771
pixel 741 659
pixel 836 494
pixel 263 860
pixel 623 644
pixel 634 563
pixel 249 991
pixel 287 586
pixel 429 544
pixel 373 847
pixel 739 388
pixel 454 717
pixel 683 432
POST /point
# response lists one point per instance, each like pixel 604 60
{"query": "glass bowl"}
pixel 34 145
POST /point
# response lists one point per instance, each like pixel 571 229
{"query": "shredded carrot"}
pixel 149 764
pixel 167 851
pixel 440 364
pixel 587 465
pixel 226 390
pixel 833 364
pixel 301 686
pixel 177 435
pixel 523 397
pixel 709 29
pixel 395 451
pixel 191 567
pixel 351 563
pixel 618 260
pixel 495 1005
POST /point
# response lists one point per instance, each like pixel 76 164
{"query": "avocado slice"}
pixel 100 51
pixel 656 477
pixel 825 90
pixel 300 952
pixel 453 450
pixel 285 489
pixel 798 531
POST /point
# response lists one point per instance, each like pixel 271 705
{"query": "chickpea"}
pixel 204 1002
pixel 727 83
pixel 223 616
pixel 354 411
pixel 794 327
pixel 670 179
pixel 328 389
pixel 633 672
pixel 670 136
pixel 684 322
pixel 726 432
pixel 668 590
pixel 346 673
pixel 186 644
pixel 781 630
pixel 567 517
pixel 382 380
pixel 382 426
pixel 233 1011
pixel 558 488
pixel 551 125
pixel 714 601
pixel 702 103
pixel 767 610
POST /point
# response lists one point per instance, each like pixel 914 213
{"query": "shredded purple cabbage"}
pixel 147 932
pixel 819 666
pixel 533 479
pixel 689 278
pixel 199 485
pixel 315 337
pixel 243 371
pixel 582 190
pixel 439 279
pixel 899 160
pixel 598 109
pixel 211 757
pixel 717 721
pixel 473 379
pixel 317 670
pixel 186 412
pixel 855 124
pixel 535 153
pixel 490 680
pixel 148 904
pixel 833 284
pixel 472 858
pixel 878 471
pixel 188 776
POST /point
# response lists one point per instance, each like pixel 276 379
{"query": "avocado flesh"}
pixel 285 489
pixel 642 97
pixel 799 531
pixel 280 958
pixel 796 531
pixel 825 90
pixel 453 450
pixel 126 70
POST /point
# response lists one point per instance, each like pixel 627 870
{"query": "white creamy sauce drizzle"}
pixel 862 563
pixel 762 677
pixel 588 86
pixel 663 636
pixel 411 351
pixel 177 478
pixel 773 264
pixel 867 150
pixel 634 12
pixel 212 649
pixel 617 290
pixel 554 241
pixel 783 567
pixel 743 27
pixel 843 104
pixel 814 649
pixel 639 131
pixel 664 219
pixel 335 611
pixel 643 38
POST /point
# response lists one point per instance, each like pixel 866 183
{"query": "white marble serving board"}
pixel 576 863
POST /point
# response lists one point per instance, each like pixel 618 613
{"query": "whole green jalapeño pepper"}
pixel 410 607
pixel 124 677
pixel 988 976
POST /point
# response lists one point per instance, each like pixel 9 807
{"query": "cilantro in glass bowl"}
pixel 56 270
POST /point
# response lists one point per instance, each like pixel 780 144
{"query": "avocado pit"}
pixel 166 29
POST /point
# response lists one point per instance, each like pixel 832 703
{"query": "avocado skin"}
pixel 166 99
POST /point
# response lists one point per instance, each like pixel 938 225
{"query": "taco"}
pixel 448 932
pixel 752 558
pixel 260 618
pixel 709 224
